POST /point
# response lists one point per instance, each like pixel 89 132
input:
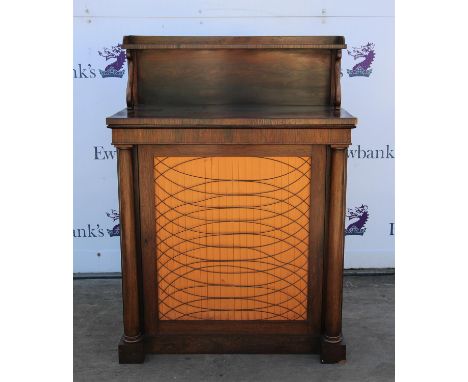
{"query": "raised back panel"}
pixel 234 76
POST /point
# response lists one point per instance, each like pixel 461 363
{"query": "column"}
pixel 130 348
pixel 333 348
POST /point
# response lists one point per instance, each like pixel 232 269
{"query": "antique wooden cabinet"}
pixel 232 176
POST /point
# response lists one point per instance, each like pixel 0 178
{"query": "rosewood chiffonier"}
pixel 232 176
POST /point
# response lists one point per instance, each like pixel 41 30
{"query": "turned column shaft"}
pixel 131 317
pixel 335 254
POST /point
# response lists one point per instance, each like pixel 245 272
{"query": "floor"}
pixel 368 327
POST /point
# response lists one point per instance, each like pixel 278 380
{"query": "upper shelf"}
pixel 231 115
pixel 234 42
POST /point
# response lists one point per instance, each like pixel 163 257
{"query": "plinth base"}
pixel 332 352
pixel 131 352
pixel 134 352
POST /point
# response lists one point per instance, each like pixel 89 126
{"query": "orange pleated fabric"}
pixel 232 237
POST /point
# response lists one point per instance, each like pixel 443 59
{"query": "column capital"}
pixel 339 147
pixel 124 147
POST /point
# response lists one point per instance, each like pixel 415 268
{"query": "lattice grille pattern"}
pixel 232 237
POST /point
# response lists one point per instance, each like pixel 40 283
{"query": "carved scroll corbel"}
pixel 130 83
pixel 338 80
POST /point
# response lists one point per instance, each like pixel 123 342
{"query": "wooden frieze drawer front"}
pixel 232 183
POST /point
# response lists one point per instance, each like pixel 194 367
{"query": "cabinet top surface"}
pixel 233 42
pixel 231 115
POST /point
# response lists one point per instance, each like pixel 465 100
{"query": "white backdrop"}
pixel 368 94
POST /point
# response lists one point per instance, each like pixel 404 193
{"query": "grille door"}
pixel 232 237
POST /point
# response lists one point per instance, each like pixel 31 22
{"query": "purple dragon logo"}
pixel 115 68
pixel 357 227
pixel 362 68
pixel 114 215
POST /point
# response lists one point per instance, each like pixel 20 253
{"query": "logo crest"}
pixel 115 216
pixel 357 226
pixel 363 68
pixel 114 69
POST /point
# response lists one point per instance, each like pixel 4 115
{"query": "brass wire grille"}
pixel 232 237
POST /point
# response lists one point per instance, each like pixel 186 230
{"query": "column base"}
pixel 332 352
pixel 131 352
